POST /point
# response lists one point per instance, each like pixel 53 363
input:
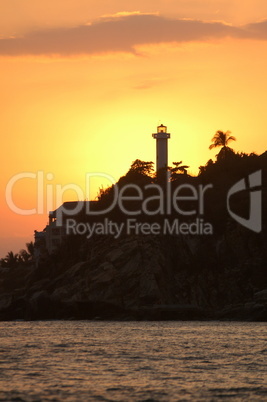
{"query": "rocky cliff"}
pixel 145 277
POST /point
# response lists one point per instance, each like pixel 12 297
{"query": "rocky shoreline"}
pixel 144 278
pixel 42 307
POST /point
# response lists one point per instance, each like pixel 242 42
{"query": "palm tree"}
pixel 24 256
pixel 221 139
pixel 30 249
pixel 10 260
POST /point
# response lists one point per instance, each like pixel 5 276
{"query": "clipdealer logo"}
pixel 254 222
pixel 175 199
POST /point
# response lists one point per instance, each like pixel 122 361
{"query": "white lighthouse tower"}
pixel 162 147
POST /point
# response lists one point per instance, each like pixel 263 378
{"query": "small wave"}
pixel 32 346
pixel 62 345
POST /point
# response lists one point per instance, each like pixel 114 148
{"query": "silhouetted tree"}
pixel 30 248
pixel 203 169
pixel 226 153
pixel 221 139
pixel 26 255
pixel 177 168
pixel 141 167
pixel 10 260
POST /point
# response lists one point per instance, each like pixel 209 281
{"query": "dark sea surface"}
pixel 133 361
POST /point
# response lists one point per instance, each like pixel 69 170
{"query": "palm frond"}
pixel 231 138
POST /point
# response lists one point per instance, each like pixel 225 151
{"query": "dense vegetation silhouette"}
pixel 228 168
pixel 24 257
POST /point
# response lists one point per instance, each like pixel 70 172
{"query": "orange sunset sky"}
pixel 85 83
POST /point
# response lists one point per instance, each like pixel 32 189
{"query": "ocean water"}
pixel 133 361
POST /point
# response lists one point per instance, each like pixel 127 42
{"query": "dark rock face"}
pixel 146 277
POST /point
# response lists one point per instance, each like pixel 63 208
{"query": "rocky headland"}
pixel 219 276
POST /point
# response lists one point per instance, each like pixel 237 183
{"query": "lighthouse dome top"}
pixel 162 129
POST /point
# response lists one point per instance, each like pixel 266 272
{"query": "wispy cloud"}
pixel 122 14
pixel 123 32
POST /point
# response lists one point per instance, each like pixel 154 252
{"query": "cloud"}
pixel 124 14
pixel 257 30
pixel 123 32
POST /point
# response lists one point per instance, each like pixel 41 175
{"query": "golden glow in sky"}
pixel 84 85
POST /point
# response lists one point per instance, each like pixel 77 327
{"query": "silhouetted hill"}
pixel 155 276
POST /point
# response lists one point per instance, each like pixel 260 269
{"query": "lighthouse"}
pixel 162 147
